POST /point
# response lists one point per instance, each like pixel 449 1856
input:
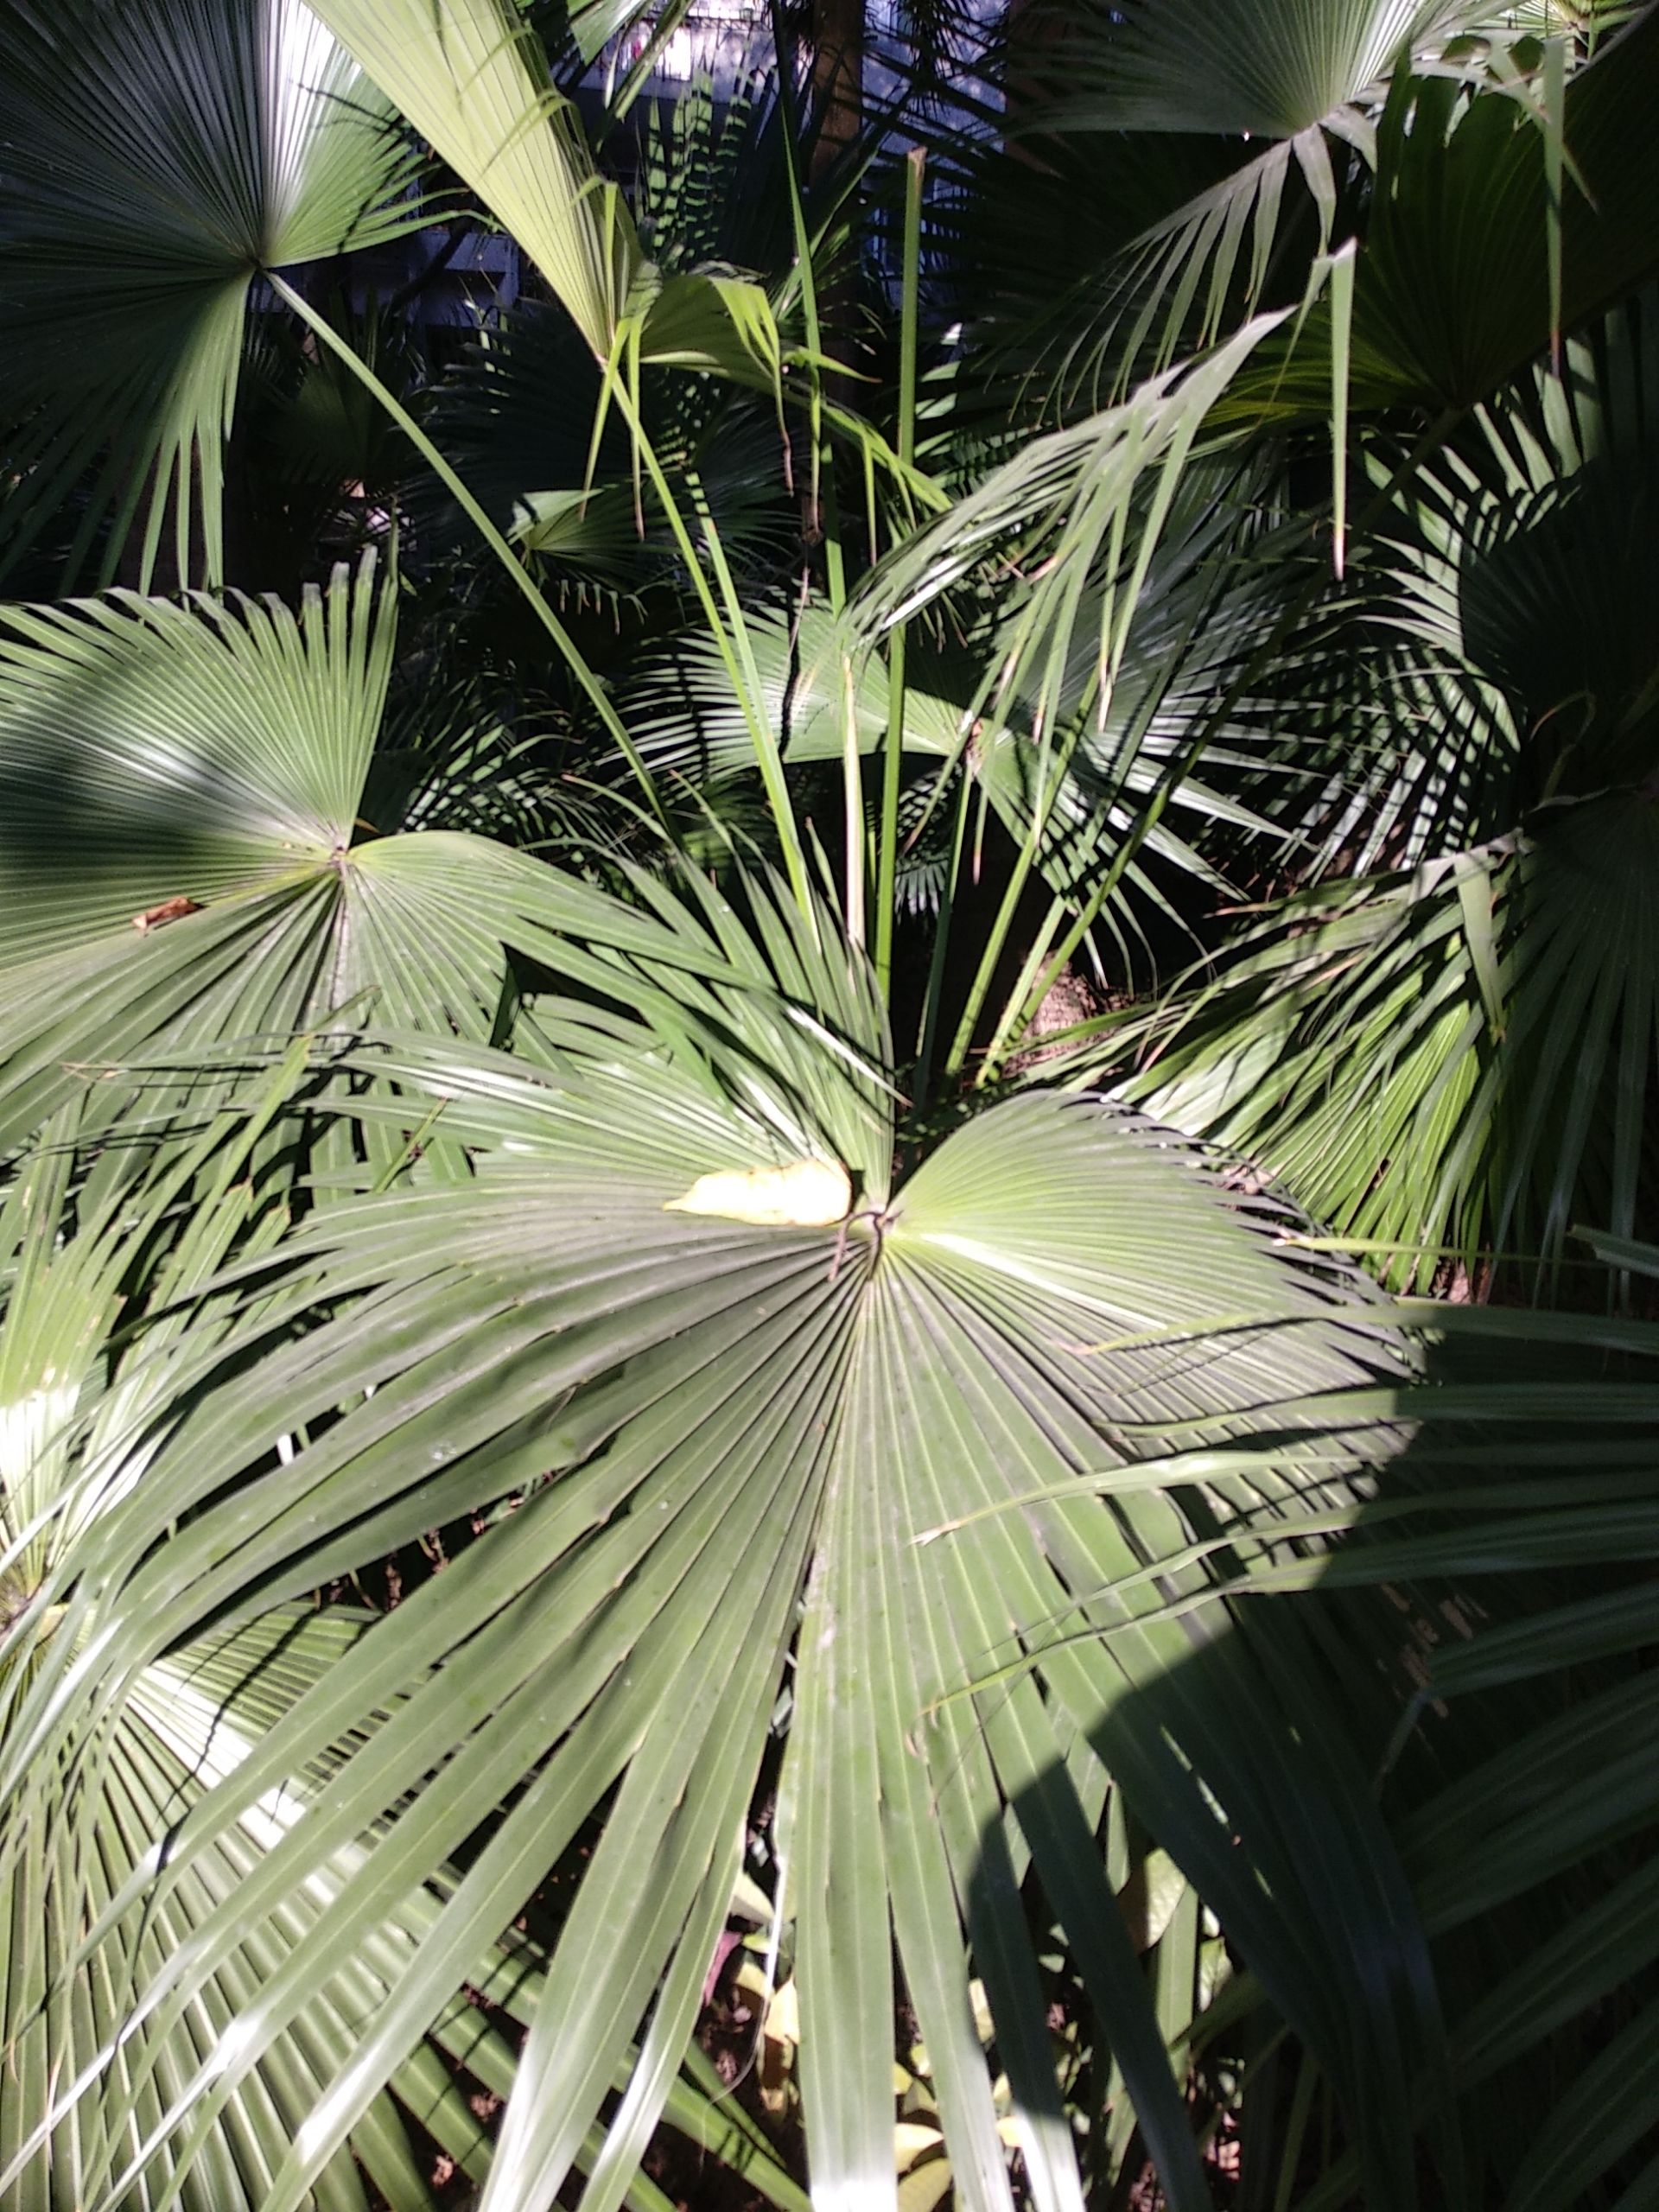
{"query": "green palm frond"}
pixel 1083 795
pixel 1492 643
pixel 158 158
pixel 1293 89
pixel 516 416
pixel 728 1441
pixel 1518 568
pixel 1453 288
pixel 186 865
pixel 1272 69
pixel 469 76
pixel 1461 1059
pixel 1515 1533
pixel 89 1826
pixel 1080 508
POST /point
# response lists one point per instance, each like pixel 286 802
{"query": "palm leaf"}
pixel 1294 90
pixel 159 158
pixel 1515 1530
pixel 1453 294
pixel 725 1439
pixel 469 76
pixel 1461 1059
pixel 187 868
pixel 87 1823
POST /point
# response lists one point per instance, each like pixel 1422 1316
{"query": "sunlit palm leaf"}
pixel 1463 1058
pixel 185 864
pixel 468 76
pixel 710 1424
pixel 86 1822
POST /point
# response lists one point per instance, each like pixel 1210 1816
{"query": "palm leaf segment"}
pixel 186 865
pixel 1297 89
pixel 158 158
pixel 468 76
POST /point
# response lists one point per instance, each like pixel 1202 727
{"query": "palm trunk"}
pixel 837 78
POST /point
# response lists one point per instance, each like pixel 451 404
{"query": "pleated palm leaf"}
pixel 185 863
pixel 159 159
pixel 1077 791
pixel 697 1315
pixel 165 161
pixel 733 1373
pixel 469 76
pixel 1214 158
pixel 1516 1535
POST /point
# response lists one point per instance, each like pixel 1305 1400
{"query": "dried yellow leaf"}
pixel 807 1194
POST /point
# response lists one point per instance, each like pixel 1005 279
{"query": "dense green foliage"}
pixel 828 1182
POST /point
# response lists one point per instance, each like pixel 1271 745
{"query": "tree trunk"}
pixel 837 78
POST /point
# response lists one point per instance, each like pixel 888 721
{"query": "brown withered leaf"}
pixel 168 909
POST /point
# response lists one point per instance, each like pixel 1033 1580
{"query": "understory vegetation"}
pixel 828 1181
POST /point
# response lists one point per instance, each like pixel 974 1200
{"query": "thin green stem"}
pixel 894 747
pixel 487 529
pixel 1029 847
pixel 1025 989
pixel 852 769
pixel 822 494
pixel 941 942
pixel 733 643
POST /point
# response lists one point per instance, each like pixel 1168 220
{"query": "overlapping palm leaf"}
pixel 1462 1054
pixel 1515 1534
pixel 184 864
pixel 1294 90
pixel 1453 292
pixel 724 1432
pixel 105 1265
pixel 1078 794
pixel 1444 1062
pixel 470 77
pixel 158 158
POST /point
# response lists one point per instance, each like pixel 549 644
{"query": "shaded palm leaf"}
pixel 1452 291
pixel 1292 93
pixel 1516 1533
pixel 158 158
pixel 1080 799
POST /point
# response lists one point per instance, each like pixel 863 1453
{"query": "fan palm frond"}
pixel 158 159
